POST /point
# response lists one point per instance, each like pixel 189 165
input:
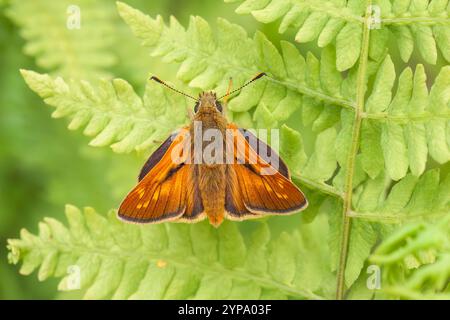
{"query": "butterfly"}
pixel 236 180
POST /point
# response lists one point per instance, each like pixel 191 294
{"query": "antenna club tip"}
pixel 259 75
pixel 156 79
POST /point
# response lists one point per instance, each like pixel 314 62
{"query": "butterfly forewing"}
pixel 157 155
pixel 162 193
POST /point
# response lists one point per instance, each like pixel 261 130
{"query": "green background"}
pixel 43 165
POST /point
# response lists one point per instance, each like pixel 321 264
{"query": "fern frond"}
pixel 209 58
pixel 425 24
pixel 76 53
pixel 367 171
pixel 113 114
pixel 310 83
pixel 111 111
pixel 176 261
pixel 382 199
pixel 417 254
pixel 321 85
pixel 399 133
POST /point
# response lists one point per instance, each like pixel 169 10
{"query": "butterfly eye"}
pixel 196 107
pixel 219 106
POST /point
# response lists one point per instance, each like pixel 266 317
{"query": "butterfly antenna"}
pixel 259 75
pixel 227 95
pixel 172 88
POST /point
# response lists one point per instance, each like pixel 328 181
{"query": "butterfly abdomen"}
pixel 212 184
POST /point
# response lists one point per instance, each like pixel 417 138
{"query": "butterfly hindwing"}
pixel 255 187
pixel 234 202
pixel 264 151
pixel 268 194
pixel 194 206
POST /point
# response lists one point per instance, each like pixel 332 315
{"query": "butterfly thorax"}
pixel 209 128
pixel 210 174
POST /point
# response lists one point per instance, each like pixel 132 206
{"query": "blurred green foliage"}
pixel 42 165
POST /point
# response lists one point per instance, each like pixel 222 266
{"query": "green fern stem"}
pixel 415 20
pixel 344 103
pixel 395 218
pixel 323 187
pixel 348 190
pixel 409 117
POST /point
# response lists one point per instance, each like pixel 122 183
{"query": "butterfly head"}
pixel 207 102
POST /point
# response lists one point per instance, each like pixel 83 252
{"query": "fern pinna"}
pixel 364 126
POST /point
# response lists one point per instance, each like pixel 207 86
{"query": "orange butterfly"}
pixel 187 180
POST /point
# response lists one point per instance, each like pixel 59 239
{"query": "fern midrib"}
pixel 406 117
pixel 415 20
pixel 194 264
pixel 323 187
pixel 348 104
pixel 396 217
pixel 350 167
